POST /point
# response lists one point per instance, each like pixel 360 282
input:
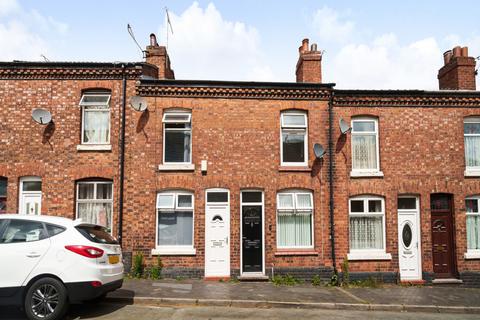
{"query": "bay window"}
pixel 95 202
pixel 473 227
pixel 365 153
pixel 471 134
pixel 294 219
pixel 293 146
pixel 367 228
pixel 174 223
pixel 95 118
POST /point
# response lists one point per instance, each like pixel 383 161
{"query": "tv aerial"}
pixel 138 103
pixel 318 150
pixel 344 127
pixel 41 116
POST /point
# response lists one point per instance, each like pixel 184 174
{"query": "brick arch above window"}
pixel 86 172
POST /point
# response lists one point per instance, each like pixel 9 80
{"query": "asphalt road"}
pixel 124 312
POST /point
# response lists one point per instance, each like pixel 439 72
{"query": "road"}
pixel 127 312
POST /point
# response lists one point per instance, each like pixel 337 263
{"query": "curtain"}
pixel 304 201
pixel 97 213
pixel 295 230
pixel 364 152
pixel 472 151
pixel 285 200
pixel 366 233
pixel 96 126
pixel 175 228
pixel 473 232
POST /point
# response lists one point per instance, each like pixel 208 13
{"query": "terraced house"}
pixel 249 179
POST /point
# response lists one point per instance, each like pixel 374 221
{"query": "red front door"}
pixel 442 236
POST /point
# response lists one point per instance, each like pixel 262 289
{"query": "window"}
pixel 95 202
pixel 96 234
pixel 471 133
pixel 473 226
pixel 175 222
pixel 294 219
pixel 177 137
pixel 23 231
pixel 367 228
pixel 3 194
pixel 95 118
pixel 293 147
pixel 365 155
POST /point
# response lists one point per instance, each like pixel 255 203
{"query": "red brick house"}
pixel 220 178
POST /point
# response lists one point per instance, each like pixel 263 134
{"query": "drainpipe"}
pixel 330 177
pixel 122 155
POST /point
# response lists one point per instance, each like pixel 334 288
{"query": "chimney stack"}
pixel 158 56
pixel 458 72
pixel 309 65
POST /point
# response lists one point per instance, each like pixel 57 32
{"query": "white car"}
pixel 48 262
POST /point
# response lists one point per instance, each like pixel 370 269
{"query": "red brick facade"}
pixel 236 129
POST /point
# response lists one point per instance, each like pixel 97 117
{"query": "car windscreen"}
pixel 96 234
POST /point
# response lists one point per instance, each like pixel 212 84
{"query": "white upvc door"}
pixel 30 196
pixel 409 243
pixel 217 233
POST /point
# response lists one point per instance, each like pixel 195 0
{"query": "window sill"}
pixel 472 173
pixel 366 174
pixel 357 256
pixel 294 168
pixel 472 255
pixel 293 252
pixel 94 147
pixel 176 167
pixel 174 252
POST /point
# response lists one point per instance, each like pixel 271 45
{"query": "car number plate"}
pixel 114 259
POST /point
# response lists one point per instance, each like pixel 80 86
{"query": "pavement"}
pixel 393 298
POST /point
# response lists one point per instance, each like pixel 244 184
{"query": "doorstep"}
pixel 447 281
pixel 253 277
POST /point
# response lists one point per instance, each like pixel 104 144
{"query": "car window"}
pixel 53 229
pixel 3 224
pixel 96 234
pixel 23 231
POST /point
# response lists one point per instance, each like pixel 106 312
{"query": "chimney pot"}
pixel 304 45
pixel 153 40
pixel 465 52
pixel 457 51
pixel 313 47
pixel 447 56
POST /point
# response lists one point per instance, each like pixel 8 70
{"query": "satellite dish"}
pixel 318 150
pixel 138 103
pixel 344 127
pixel 41 116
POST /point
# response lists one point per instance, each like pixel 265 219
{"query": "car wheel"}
pixel 46 299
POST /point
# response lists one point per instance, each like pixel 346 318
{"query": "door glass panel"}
pixel 251 196
pixel 407 203
pixel 407 235
pixel 32 186
pixel 440 203
pixel 217 197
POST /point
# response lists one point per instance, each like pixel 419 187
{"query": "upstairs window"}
pixel 95 202
pixel 365 155
pixel 293 147
pixel 177 137
pixel 3 194
pixel 471 134
pixel 95 118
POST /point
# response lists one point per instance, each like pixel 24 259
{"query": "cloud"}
pixel 22 32
pixel 329 26
pixel 206 46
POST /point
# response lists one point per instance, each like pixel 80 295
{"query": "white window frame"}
pixel 472 253
pixel 295 193
pixel 177 165
pixel 95 183
pixel 172 249
pixel 366 172
pixel 93 104
pixel 368 254
pixel 294 128
pixel 470 171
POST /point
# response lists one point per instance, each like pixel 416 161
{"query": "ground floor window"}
pixel 294 219
pixel 174 220
pixel 95 202
pixel 473 223
pixel 366 227
pixel 3 194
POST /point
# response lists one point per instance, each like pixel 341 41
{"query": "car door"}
pixel 23 243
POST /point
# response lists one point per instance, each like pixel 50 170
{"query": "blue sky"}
pixel 368 44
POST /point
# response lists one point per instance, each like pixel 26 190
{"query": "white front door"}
pixel 30 196
pixel 217 233
pixel 409 252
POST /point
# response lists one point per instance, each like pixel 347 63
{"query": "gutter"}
pixel 330 178
pixel 122 155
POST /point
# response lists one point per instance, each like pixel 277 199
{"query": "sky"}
pixel 366 44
